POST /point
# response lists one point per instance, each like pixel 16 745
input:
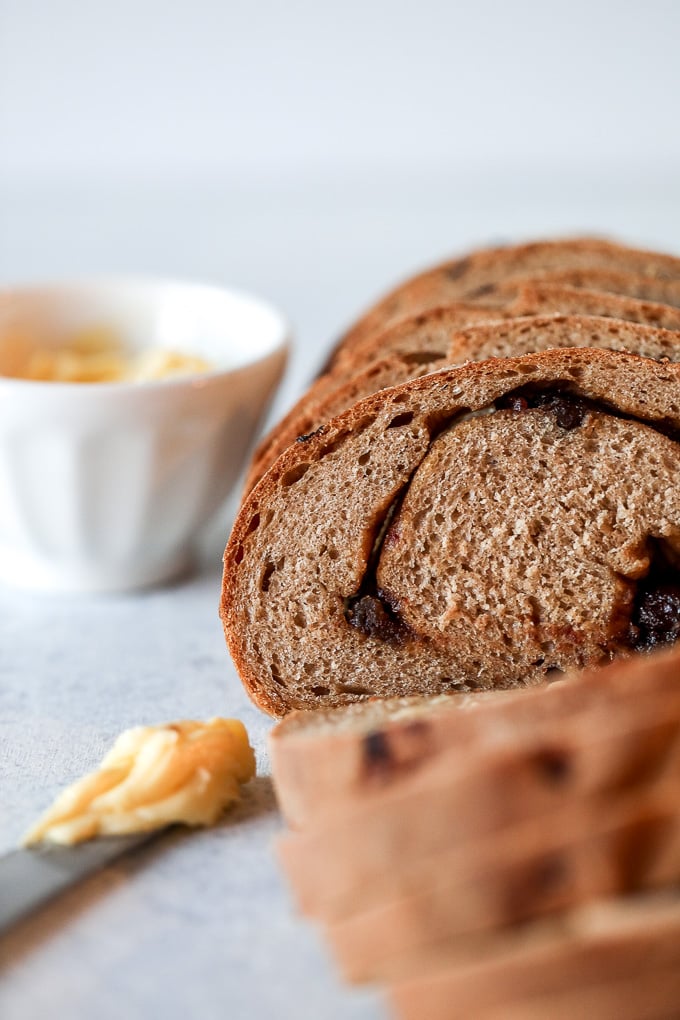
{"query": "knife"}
pixel 33 876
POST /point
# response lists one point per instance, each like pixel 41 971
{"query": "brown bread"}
pixel 581 292
pixel 478 796
pixel 506 298
pixel 437 339
pixel 618 959
pixel 580 854
pixel 326 764
pixel 410 547
pixel 477 276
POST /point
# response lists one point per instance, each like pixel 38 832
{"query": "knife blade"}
pixel 31 877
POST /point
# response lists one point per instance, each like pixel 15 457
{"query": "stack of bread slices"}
pixel 479 495
pixel 501 855
pixel 454 507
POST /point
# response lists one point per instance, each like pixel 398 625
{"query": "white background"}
pixel 193 88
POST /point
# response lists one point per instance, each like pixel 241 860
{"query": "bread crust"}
pixel 323 563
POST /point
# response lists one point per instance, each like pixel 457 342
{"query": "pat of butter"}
pixel 153 776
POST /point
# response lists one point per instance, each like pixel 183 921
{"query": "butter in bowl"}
pixel 127 408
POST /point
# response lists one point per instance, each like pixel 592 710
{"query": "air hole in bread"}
pixel 254 524
pixel 547 873
pixel 330 447
pixel 238 555
pixel 319 691
pixel 483 291
pixel 356 689
pixel 276 675
pixel 299 620
pixel 294 474
pixel 420 357
pixel 569 410
pixel 364 458
pixel 401 419
pixel 471 684
pixel 452 685
pixel 266 575
pixel 458 269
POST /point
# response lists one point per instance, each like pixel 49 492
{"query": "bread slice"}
pixel 574 292
pixel 619 958
pixel 419 343
pixel 538 297
pixel 436 339
pixel 479 795
pixel 427 326
pixel 476 276
pixel 326 764
pixel 525 335
pixel 475 528
pixel 582 853
pixel 614 281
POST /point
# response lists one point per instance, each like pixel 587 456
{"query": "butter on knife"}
pixel 153 776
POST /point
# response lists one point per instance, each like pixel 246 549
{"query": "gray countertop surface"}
pixel 195 923
pixel 200 923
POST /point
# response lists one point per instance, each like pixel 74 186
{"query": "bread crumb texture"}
pixel 411 547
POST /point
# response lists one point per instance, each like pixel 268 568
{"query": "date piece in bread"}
pixel 476 528
pixel 329 763
pixel 475 277
pixel 619 958
pixel 436 339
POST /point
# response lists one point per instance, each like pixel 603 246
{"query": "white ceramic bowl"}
pixel 105 486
